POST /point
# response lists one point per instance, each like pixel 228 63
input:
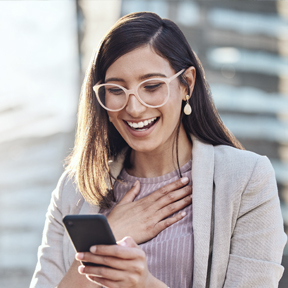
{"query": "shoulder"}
pixel 67 196
pixel 242 171
pixel 230 159
pixel 224 154
pixel 231 167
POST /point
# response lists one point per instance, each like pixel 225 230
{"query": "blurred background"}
pixel 45 49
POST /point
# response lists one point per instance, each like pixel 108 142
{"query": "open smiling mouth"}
pixel 142 125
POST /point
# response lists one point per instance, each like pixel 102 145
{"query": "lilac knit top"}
pixel 170 253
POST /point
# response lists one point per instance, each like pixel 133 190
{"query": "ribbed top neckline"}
pixel 129 178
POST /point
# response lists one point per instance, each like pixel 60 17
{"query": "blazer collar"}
pixel 202 181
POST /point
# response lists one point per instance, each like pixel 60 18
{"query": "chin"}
pixel 144 148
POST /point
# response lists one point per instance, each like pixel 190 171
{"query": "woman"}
pixel 139 153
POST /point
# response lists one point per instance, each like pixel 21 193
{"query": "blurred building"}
pixel 38 104
pixel 39 91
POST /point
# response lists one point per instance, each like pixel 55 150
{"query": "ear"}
pixel 190 77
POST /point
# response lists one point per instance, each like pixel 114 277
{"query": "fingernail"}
pixel 93 249
pixel 122 242
pixel 136 182
pixel 183 214
pixel 79 256
pixel 184 180
pixel 81 269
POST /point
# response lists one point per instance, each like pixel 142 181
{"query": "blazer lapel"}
pixel 202 179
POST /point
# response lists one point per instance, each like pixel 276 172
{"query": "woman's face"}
pixel 158 124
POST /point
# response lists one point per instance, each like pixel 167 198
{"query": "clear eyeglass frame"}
pixel 135 91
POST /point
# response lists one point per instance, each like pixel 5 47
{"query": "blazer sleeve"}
pixel 258 238
pixel 50 266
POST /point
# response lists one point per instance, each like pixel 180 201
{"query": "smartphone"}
pixel 87 230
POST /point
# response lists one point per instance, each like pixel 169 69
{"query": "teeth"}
pixel 141 124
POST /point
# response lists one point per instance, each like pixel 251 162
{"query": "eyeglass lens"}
pixel 152 92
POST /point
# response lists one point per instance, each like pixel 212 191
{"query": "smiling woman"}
pixel 156 100
pixel 148 135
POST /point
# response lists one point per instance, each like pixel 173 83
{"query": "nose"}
pixel 134 107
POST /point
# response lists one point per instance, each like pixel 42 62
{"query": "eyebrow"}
pixel 114 79
pixel 149 75
pixel 143 77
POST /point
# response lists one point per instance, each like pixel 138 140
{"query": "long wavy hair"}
pixel 97 141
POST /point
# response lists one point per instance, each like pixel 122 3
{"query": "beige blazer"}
pixel 237 223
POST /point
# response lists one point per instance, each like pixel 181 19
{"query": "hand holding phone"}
pixel 88 230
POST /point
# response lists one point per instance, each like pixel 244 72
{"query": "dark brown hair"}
pixel 97 140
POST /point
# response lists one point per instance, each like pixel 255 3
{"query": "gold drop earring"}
pixel 187 108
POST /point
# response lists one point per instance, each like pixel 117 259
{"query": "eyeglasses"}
pixel 151 93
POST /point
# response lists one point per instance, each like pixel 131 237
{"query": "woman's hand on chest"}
pixel 147 217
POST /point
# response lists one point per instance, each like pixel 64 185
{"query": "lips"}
pixel 142 125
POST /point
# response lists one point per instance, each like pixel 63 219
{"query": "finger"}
pixel 127 242
pixel 101 272
pixel 103 282
pixel 110 261
pixel 168 188
pixel 116 251
pixel 169 207
pixel 162 225
pixel 131 194
pixel 94 279
pixel 169 199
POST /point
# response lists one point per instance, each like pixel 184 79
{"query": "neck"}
pixel 163 161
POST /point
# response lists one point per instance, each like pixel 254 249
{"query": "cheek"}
pixel 112 116
pixel 178 94
pixel 175 104
pixel 116 121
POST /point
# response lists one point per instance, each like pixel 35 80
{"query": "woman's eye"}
pixel 153 86
pixel 115 91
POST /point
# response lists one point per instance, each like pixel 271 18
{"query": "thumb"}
pixel 131 194
pixel 127 242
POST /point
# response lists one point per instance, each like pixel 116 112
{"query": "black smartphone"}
pixel 88 230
